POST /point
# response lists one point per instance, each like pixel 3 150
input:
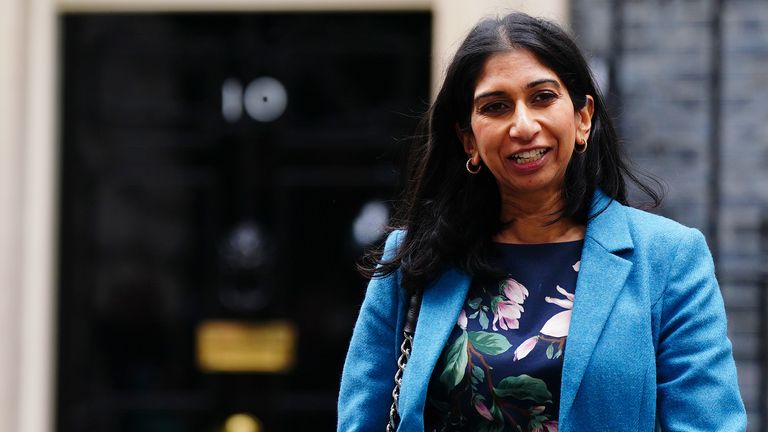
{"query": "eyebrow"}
pixel 536 83
pixel 530 85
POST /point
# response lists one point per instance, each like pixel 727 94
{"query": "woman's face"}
pixel 524 126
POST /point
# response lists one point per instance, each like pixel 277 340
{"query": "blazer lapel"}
pixel 439 311
pixel 602 275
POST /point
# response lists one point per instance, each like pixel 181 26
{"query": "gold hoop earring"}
pixel 469 167
pixel 580 147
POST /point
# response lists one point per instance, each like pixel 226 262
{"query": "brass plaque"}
pixel 242 346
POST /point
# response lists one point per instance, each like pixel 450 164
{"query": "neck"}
pixel 530 220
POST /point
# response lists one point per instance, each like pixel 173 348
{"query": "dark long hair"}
pixel 450 216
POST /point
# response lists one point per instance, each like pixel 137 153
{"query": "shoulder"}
pixel 652 232
pixel 646 225
pixel 394 240
pixel 659 241
pixel 675 257
pixel 618 227
pixel 670 247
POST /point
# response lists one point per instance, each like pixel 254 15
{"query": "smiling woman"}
pixel 525 291
pixel 524 127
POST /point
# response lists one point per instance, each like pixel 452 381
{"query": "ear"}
pixel 584 118
pixel 467 140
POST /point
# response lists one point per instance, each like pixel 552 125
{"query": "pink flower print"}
pixel 576 266
pixel 483 410
pixel 462 322
pixel 525 348
pixel 558 325
pixel 550 426
pixel 566 303
pixel 514 290
pixel 507 314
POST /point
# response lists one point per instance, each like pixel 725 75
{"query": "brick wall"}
pixel 709 143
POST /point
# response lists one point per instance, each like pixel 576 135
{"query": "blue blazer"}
pixel 647 345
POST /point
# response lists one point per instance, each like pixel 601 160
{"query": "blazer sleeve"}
pixel 697 388
pixel 368 377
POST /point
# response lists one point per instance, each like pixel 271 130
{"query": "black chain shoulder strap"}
pixel 409 328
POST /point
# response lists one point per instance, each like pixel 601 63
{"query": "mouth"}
pixel 528 156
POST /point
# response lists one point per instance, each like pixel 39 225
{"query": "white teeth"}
pixel 529 156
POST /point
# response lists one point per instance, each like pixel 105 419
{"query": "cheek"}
pixel 485 138
pixel 567 131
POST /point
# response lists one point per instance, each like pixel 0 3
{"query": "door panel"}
pixel 223 168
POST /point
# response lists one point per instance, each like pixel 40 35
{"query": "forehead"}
pixel 516 69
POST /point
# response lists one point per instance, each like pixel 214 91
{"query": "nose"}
pixel 524 126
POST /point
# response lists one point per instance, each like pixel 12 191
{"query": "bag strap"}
pixel 409 328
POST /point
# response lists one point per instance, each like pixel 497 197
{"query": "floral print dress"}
pixel 501 368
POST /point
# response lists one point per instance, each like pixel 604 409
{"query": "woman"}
pixel 548 303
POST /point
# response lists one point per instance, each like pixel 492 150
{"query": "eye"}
pixel 493 107
pixel 544 97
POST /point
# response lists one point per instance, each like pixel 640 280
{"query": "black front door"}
pixel 220 176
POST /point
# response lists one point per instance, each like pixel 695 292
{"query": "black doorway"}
pixel 213 167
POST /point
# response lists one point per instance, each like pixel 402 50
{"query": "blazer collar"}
pixel 602 275
pixel 608 224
